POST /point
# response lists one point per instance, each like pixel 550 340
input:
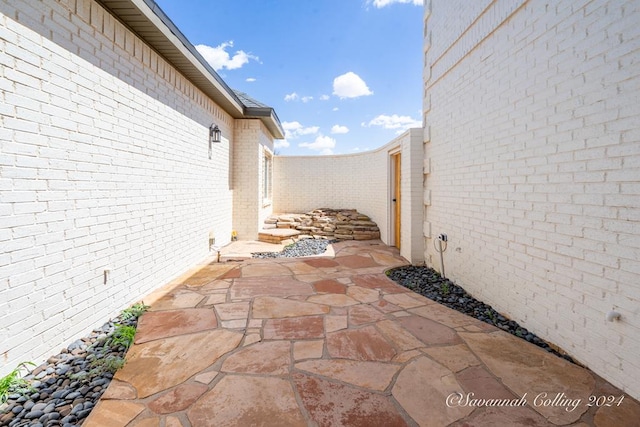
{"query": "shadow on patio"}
pixel 332 341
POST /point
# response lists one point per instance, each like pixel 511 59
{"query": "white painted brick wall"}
pixel 351 181
pixel 412 201
pixel 532 117
pixel 103 165
pixel 249 205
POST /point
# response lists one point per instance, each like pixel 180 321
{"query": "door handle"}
pixel 393 200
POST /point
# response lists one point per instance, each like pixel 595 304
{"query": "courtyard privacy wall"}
pixel 360 181
pixel 103 166
pixel 532 167
pixel 351 181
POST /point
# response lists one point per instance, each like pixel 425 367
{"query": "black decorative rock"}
pixel 67 386
pixel 34 414
pixel 428 282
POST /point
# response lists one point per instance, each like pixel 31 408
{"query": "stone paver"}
pixel 360 344
pixel 334 300
pixel 308 349
pixel 330 286
pixel 335 323
pixel 161 364
pixel 248 401
pixel 294 328
pixel 531 370
pixel 266 286
pixel 435 383
pixel 363 295
pixel 333 342
pixel 273 308
pixel 232 310
pixel 113 413
pixel 428 331
pixel 506 416
pixel 444 315
pixel 269 358
pixel 164 324
pixel 332 404
pixel 398 336
pixel 177 300
pixel 371 375
pixel 177 399
pixel 456 358
pixel 363 314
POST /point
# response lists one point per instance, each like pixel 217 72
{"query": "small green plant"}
pixel 491 315
pixel 445 288
pixel 122 336
pixel 100 366
pixel 107 364
pixel 113 364
pixel 134 311
pixel 13 382
pixel 414 286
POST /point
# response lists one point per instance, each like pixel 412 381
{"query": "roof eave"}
pixel 269 118
pixel 150 23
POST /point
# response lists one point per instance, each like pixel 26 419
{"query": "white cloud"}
pixel 280 143
pixel 335 109
pixel 219 58
pixel 339 129
pixel 322 144
pixel 382 3
pixel 350 85
pixel 293 96
pixel 324 97
pixel 250 80
pixel 293 130
pixel 400 123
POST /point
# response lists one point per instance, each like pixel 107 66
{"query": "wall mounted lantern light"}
pixel 215 136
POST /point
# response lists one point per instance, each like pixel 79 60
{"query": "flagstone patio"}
pixel 331 341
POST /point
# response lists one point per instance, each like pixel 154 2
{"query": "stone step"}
pixel 344 224
pixel 277 235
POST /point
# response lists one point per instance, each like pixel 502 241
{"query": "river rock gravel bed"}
pixel 428 282
pixel 301 248
pixel 68 385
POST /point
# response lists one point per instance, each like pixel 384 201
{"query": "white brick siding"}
pixel 412 206
pixel 250 208
pixel 103 165
pixel 531 112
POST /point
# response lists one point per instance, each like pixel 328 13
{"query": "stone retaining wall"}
pixel 343 224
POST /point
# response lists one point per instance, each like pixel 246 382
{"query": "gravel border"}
pixel 428 282
pixel 301 248
pixel 66 387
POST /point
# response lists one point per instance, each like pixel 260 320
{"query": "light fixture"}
pixel 215 136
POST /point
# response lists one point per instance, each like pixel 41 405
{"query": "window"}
pixel 267 177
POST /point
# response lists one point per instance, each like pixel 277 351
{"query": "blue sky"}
pixel 343 75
